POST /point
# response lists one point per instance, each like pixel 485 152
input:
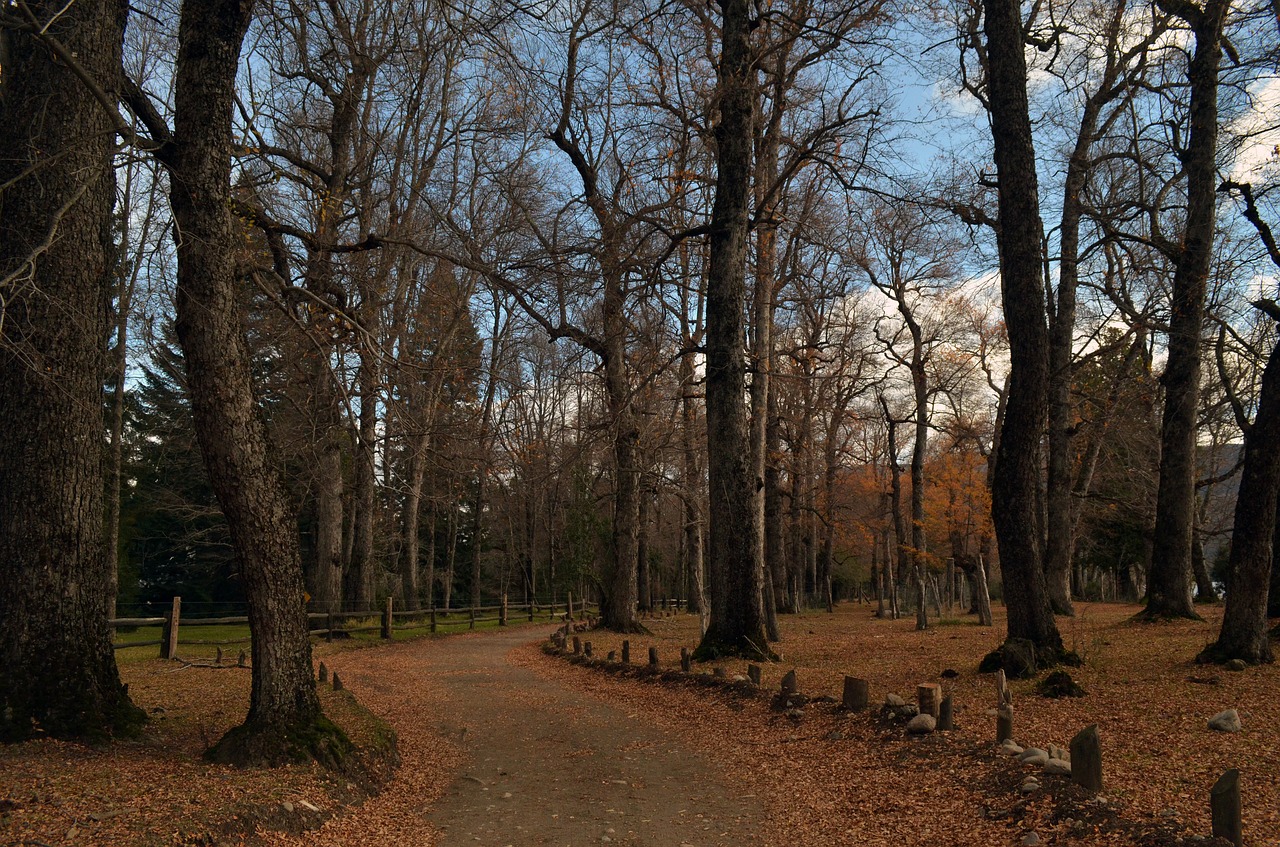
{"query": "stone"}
pixel 1057 767
pixel 893 701
pixel 1031 839
pixel 1228 721
pixel 1236 665
pixel 922 724
pixel 789 684
pixel 835 735
pixel 1056 752
pixel 1034 756
pixel 1011 747
pixel 1030 787
pixel 287 806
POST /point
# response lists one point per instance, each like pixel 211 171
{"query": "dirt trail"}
pixel 544 763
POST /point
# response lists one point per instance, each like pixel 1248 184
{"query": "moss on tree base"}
pixel 272 745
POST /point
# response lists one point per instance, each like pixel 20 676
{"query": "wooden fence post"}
pixel 686 662
pixel 169 647
pixel 1086 758
pixel 433 615
pixel 328 633
pixel 946 714
pixel 854 697
pixel 1224 802
pixel 653 657
pixel 532 607
pixel 626 652
pixel 929 698
pixel 568 606
pixel 386 619
pixel 502 614
pixel 473 617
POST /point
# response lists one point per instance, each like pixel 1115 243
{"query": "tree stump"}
pixel 1224 803
pixel 686 663
pixel 337 682
pixel 1086 758
pixel 577 646
pixel 789 685
pixel 946 714
pixel 753 673
pixel 626 652
pixel 929 698
pixel 324 672
pixel 855 694
pixel 653 657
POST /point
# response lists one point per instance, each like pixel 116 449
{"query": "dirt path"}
pixel 541 763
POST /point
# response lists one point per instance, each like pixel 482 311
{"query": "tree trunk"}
pixel 363 571
pixel 59 672
pixel 736 626
pixel 284 717
pixel 1169 587
pixel 1244 620
pixel 1016 483
pixel 644 598
pixel 412 510
pixel 326 486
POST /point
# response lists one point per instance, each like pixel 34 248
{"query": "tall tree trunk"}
pixel 691 476
pixel 1244 620
pixel 1169 588
pixel 775 540
pixel 736 626
pixel 284 717
pixel 325 473
pixel 644 598
pixel 115 450
pixel 1016 484
pixel 363 571
pixel 59 672
pixel 409 545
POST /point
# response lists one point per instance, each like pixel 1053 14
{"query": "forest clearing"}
pixel 824 778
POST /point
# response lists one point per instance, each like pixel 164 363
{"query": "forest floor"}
pixel 502 744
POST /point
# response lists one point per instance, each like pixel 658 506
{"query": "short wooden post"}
pixel 324 672
pixel 577 646
pixel 653 657
pixel 1224 802
pixel 929 698
pixel 472 610
pixel 686 661
pixel 789 684
pixel 753 674
pixel 241 660
pixel 328 632
pixel 433 615
pixel 337 682
pixel 586 649
pixel 946 714
pixel 169 649
pixel 626 652
pixel 1004 709
pixel 1086 758
pixel 217 658
pixel 532 608
pixel 611 656
pixel 502 614
pixel 855 694
pixel 386 619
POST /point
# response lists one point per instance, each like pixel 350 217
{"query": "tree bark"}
pixel 1244 620
pixel 736 626
pixel 1016 483
pixel 284 719
pixel 59 672
pixel 1169 587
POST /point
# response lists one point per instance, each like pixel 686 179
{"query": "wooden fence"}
pixel 331 625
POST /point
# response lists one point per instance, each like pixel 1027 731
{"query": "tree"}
pixel 1015 487
pixel 736 623
pixel 285 721
pixel 56 275
pixel 1169 588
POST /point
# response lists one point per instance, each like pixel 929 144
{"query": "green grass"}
pixel 454 622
